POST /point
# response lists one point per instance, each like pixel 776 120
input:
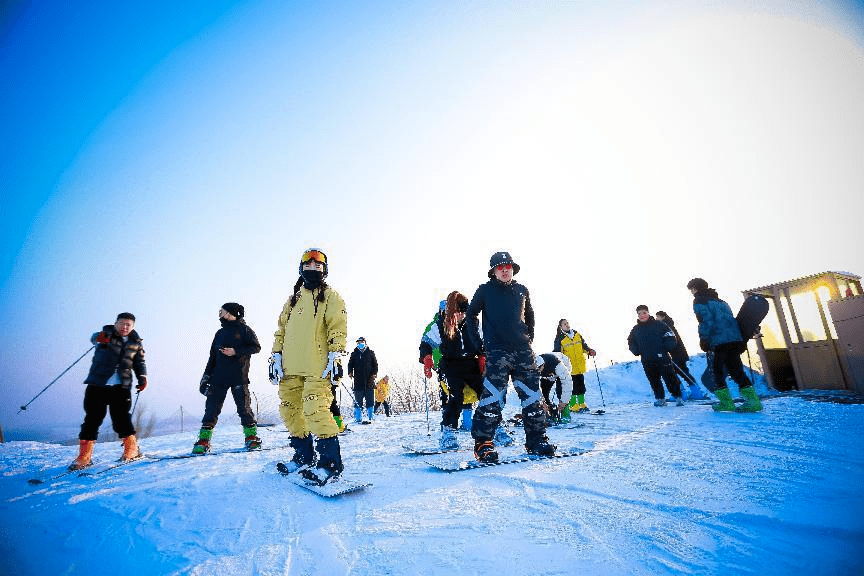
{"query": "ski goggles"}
pixel 316 255
pixel 504 267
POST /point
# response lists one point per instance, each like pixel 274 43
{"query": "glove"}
pixel 591 352
pixel 332 359
pixel 481 361
pixel 142 383
pixel 275 371
pixel 204 386
pixel 703 344
pixel 427 365
pixel 103 338
pixel 337 373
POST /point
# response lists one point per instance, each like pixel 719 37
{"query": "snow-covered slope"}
pixel 663 491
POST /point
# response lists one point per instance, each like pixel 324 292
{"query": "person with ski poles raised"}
pixel 228 369
pixel 720 334
pixel 569 342
pixel 363 370
pixel 679 356
pixel 653 340
pixel 505 353
pixel 119 353
pixel 307 345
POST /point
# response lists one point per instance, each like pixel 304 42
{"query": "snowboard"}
pixel 343 485
pixel 423 449
pixel 460 465
pixel 752 312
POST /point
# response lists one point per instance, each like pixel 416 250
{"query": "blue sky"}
pixel 167 160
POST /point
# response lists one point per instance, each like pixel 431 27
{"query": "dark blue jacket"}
pixel 508 318
pixel 124 357
pixel 228 371
pixel 717 324
pixel 652 340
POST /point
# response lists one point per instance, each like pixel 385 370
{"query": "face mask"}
pixel 361 346
pixel 312 278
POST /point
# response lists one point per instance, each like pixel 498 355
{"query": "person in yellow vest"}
pixel 570 343
pixel 382 394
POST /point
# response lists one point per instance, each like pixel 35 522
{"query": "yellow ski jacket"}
pixel 308 332
pixel 575 348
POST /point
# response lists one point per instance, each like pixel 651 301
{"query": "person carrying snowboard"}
pixel 228 369
pixel 719 333
pixel 363 370
pixel 307 345
pixel 653 340
pixel 505 353
pixel 118 354
pixel 574 346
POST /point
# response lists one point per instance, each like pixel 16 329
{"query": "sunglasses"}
pixel 504 267
pixel 314 255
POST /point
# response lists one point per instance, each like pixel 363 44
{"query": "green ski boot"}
pixel 252 442
pixel 726 404
pixel 752 403
pixel 202 446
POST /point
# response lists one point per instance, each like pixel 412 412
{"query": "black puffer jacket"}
pixel 457 351
pixel 652 340
pixel 679 353
pixel 228 371
pixel 508 318
pixel 124 357
pixel 363 368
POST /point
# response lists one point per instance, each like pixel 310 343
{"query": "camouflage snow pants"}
pixel 305 406
pixel 500 367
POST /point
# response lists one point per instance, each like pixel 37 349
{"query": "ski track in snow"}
pixel 673 490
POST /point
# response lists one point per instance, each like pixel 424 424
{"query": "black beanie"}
pixel 234 309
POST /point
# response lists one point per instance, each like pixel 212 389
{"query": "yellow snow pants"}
pixel 305 406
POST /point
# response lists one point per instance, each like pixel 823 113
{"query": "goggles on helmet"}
pixel 316 255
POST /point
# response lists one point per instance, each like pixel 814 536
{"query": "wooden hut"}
pixel 813 336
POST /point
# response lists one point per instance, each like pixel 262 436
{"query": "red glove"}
pixel 142 383
pixel 591 352
pixel 427 365
pixel 103 338
pixel 481 361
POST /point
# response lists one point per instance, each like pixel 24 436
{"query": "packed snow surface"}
pixel 672 490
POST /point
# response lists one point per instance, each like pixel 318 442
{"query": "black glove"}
pixel 703 344
pixel 204 387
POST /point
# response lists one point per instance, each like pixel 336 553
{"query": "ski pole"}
pixel 597 372
pixel 426 396
pixel 24 407
pixel 684 374
pixel 350 395
pixel 135 405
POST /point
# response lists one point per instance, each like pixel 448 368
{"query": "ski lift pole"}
pixel 597 372
pixel 24 407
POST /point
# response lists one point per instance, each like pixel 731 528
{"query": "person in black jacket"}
pixel 653 340
pixel 118 354
pixel 363 370
pixel 679 354
pixel 228 369
pixel 505 353
pixel 459 365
